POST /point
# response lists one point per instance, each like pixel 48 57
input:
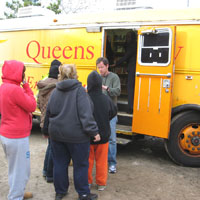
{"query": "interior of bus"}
pixel 114 50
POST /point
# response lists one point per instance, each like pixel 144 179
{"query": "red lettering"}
pixel 30 81
pixel 67 49
pixel 178 52
pixel 48 52
pixel 36 50
pixel 90 52
pixel 57 48
pixel 35 85
pixel 76 52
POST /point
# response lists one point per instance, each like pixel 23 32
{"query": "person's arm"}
pixel 131 51
pixel 86 114
pixel 126 56
pixel 45 130
pixel 112 108
pixel 115 88
pixel 25 98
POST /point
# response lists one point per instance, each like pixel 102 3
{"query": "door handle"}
pixel 157 75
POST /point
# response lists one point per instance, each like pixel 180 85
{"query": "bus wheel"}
pixel 183 145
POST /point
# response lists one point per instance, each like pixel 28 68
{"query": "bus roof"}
pixel 105 19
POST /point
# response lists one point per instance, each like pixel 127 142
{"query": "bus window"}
pixel 155 47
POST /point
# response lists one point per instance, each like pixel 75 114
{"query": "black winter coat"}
pixel 104 108
pixel 69 115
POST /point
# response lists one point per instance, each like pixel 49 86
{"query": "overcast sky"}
pixel 154 3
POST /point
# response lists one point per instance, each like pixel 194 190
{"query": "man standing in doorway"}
pixel 110 86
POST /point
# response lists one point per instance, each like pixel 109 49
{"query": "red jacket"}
pixel 16 103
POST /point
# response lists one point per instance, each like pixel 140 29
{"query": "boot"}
pixel 28 195
pixel 59 196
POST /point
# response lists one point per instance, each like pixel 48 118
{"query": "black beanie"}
pixel 53 71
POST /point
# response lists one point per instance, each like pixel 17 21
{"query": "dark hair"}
pixel 102 59
pixel 53 71
pixel 23 73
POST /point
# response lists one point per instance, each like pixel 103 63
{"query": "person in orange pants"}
pixel 98 152
pixel 104 111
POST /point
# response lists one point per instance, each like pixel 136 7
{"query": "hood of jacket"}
pixel 67 85
pixel 46 85
pixel 12 71
pixel 94 82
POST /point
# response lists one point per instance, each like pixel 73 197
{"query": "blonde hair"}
pixel 67 71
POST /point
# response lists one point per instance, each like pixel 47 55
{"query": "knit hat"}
pixel 53 71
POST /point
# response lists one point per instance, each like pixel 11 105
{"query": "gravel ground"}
pixel 144 172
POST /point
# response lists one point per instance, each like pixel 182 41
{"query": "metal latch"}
pixel 188 77
pixel 166 83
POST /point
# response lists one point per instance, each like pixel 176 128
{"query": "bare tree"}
pixel 77 6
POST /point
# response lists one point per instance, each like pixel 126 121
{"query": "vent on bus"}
pixel 129 4
pixel 30 11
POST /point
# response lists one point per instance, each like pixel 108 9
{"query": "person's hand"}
pixel 45 136
pixel 24 80
pixel 104 87
pixel 97 138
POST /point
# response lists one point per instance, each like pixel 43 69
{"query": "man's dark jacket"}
pixel 69 116
pixel 104 108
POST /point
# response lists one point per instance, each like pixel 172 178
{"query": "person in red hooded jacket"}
pixel 16 104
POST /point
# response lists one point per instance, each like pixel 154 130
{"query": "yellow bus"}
pixel 167 87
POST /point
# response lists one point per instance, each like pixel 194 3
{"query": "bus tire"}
pixel 183 145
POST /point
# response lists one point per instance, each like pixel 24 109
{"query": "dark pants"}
pixel 48 161
pixel 62 154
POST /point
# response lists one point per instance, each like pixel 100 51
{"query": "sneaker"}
pixel 44 173
pixel 59 196
pixel 88 197
pixel 28 195
pixel 112 169
pixel 101 187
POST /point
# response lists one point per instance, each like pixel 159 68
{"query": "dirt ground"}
pixel 144 172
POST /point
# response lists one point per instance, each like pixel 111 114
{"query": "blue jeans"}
pixel 48 161
pixel 112 150
pixel 63 152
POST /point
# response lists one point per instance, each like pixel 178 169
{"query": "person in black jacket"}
pixel 104 111
pixel 130 58
pixel 70 123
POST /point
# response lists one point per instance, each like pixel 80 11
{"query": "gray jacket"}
pixel 69 116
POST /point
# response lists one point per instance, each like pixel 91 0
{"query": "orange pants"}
pixel 98 153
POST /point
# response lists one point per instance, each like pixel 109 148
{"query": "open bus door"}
pixel 154 81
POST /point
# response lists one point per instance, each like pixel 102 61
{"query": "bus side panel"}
pixel 186 88
pixel 40 47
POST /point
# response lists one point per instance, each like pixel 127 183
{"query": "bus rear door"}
pixel 154 81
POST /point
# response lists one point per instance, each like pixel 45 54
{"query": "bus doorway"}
pixel 120 47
